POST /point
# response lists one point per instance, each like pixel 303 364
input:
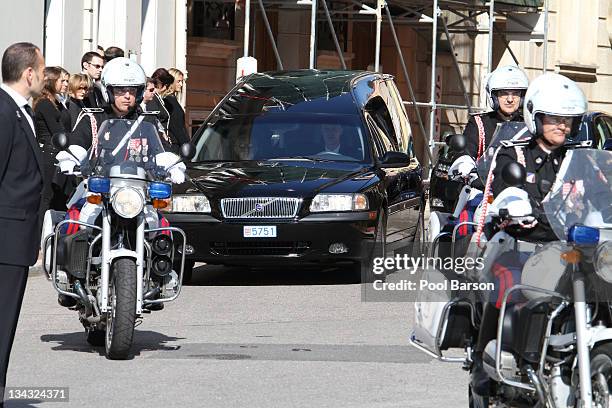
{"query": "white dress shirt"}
pixel 21 102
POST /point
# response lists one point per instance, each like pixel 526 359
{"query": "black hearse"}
pixel 300 168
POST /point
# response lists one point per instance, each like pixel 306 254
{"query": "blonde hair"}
pixel 176 73
pixel 76 81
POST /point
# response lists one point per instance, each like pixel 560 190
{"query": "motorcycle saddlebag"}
pixel 441 322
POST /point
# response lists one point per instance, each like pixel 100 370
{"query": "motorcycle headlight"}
pixel 128 202
pixel 339 202
pixel 188 204
pixel 603 261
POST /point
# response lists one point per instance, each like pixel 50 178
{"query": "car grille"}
pixel 260 248
pixel 260 207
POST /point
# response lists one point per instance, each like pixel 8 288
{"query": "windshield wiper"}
pixel 309 158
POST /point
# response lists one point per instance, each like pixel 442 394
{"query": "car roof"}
pixel 300 91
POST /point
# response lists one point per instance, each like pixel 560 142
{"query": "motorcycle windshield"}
pixel 125 148
pixel 504 131
pixel 582 192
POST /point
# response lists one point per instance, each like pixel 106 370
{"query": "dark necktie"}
pixel 29 110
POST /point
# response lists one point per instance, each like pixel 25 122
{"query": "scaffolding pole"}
pixel 379 6
pixel 434 57
pixel 271 35
pixel 247 26
pixel 313 33
pixel 545 51
pixel 491 22
pixel 334 36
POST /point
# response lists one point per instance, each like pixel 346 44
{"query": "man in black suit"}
pixel 20 186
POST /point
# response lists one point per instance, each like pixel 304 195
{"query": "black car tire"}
pixel 366 266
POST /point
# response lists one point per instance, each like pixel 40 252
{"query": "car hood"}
pixel 275 178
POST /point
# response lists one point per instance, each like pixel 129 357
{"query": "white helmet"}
pixel 507 77
pixel 552 94
pixel 123 72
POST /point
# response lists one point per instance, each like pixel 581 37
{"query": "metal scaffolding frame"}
pixel 414 15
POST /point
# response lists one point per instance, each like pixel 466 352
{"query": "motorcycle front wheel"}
pixel 122 316
pixel 601 375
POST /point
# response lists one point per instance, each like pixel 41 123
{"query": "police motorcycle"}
pixel 445 229
pixel 554 339
pixel 113 262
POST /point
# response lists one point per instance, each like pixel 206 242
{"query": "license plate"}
pixel 259 231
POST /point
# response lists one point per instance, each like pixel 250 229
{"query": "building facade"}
pixel 204 38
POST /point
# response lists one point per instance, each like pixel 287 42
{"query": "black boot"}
pixel 479 379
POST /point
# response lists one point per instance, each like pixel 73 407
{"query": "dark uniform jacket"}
pixel 489 121
pixel 82 135
pixel 20 186
pixel 541 169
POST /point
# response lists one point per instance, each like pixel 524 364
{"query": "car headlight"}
pixel 128 202
pixel 188 204
pixel 339 202
pixel 603 261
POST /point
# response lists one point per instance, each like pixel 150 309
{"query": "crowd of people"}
pixel 60 108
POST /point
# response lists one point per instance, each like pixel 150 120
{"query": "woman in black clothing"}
pixel 162 80
pixel 47 123
pixel 176 126
pixel 78 87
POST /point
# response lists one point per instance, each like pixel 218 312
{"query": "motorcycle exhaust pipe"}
pixel 78 289
pixel 162 265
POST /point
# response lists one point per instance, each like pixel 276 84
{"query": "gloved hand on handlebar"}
pixel 68 160
pixel 173 165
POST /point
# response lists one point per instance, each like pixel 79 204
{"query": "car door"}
pixel 402 184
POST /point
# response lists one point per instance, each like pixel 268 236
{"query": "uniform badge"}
pixel 530 178
pixel 538 160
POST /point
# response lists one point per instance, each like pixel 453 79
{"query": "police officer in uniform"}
pixel 505 91
pixel 554 105
pixel 123 81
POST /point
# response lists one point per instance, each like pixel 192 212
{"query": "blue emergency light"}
pixel 160 190
pixel 583 235
pixel 99 185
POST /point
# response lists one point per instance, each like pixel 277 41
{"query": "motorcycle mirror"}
pixel 514 174
pixel 457 142
pixel 60 141
pixel 188 151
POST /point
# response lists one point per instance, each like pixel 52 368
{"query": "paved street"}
pixel 239 338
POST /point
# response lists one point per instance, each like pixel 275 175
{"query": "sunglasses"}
pixel 151 89
pixel 125 89
pixel 97 66
pixel 83 88
pixel 557 120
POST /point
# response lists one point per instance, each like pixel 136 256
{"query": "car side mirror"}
pixel 607 144
pixel 514 175
pixel 60 141
pixel 188 151
pixel 456 143
pixel 395 159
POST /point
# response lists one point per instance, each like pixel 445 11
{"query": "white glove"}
pixel 171 162
pixel 67 161
pixel 177 174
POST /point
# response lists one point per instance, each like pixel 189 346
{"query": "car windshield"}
pixel 125 148
pixel 278 136
pixel 582 192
